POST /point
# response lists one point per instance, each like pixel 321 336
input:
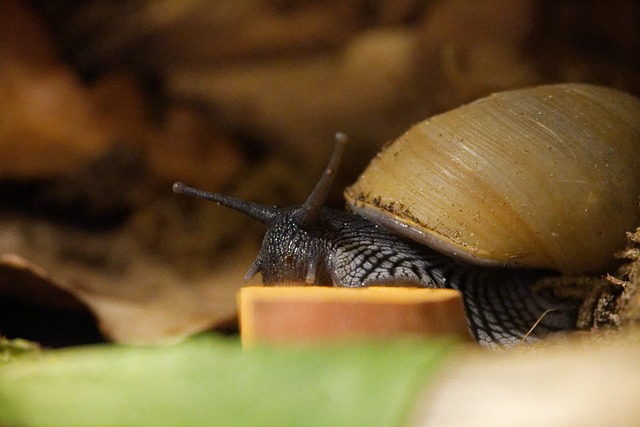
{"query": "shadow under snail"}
pixel 488 198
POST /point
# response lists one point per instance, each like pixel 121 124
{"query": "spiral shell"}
pixel 544 177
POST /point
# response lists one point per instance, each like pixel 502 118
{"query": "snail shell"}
pixel 545 177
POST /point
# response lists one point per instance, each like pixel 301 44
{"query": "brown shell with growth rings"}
pixel 544 177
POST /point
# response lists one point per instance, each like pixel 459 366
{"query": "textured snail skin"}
pixel 345 250
pixel 544 177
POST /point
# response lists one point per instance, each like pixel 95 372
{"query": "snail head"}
pixel 294 247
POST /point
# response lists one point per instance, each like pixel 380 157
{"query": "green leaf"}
pixel 211 381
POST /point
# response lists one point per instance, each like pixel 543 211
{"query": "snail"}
pixel 488 198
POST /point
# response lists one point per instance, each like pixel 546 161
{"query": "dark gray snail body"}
pixel 322 246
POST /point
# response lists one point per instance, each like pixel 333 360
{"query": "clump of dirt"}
pixel 614 302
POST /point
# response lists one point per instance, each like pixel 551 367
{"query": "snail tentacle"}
pixel 264 214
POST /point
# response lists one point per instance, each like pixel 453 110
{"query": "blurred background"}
pixel 104 104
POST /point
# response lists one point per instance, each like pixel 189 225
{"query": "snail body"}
pixel 392 239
